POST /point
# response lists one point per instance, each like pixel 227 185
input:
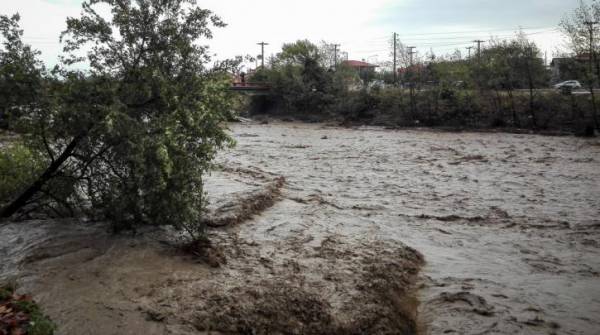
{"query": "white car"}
pixel 377 83
pixel 572 84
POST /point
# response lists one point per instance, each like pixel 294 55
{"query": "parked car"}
pixel 460 84
pixel 569 84
pixel 376 84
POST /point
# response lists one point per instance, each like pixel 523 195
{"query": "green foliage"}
pixel 130 140
pixel 574 26
pixel 502 87
pixel 358 106
pixel 162 129
pixel 301 84
pixel 571 69
pixel 19 167
pixel 302 52
pixel 36 323
pixel 39 324
pixel 6 292
pixel 450 72
pixel 511 65
pixel 20 71
pixel 506 66
pixel 582 42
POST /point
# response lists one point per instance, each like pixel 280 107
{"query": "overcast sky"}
pixel 363 28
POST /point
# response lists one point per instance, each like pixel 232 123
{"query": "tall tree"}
pixel 20 71
pixel 130 139
pixel 581 28
pixel 301 81
pixel 531 67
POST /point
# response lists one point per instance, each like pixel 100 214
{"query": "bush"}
pixel 19 167
pixel 25 316
pixel 357 106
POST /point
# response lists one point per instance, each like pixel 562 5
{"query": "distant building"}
pixel 359 65
pixel 365 71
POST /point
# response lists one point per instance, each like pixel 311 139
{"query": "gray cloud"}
pixel 415 15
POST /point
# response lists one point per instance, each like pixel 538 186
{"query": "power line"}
pixel 385 39
pixel 436 42
pixel 478 31
pixel 463 37
pixel 380 38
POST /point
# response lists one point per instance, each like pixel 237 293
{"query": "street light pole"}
pixel 395 59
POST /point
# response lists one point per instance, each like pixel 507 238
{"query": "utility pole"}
pixel 395 58
pixel 412 79
pixel 262 52
pixel 411 53
pixel 469 48
pixel 478 48
pixel 335 58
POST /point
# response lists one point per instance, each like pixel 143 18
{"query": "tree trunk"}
pixel 594 112
pixel 531 109
pixel 516 121
pixel 23 199
pixel 499 107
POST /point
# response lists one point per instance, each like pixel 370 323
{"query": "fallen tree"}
pixel 129 139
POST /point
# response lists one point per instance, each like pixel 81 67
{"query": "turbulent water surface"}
pixel 508 226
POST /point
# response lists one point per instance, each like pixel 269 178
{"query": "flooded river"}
pixel 508 227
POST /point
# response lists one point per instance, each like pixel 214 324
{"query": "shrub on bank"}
pixel 19 166
pixel 19 314
pixel 447 106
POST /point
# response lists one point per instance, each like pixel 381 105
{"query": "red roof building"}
pixel 359 65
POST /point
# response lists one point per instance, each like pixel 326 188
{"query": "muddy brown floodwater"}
pixel 373 231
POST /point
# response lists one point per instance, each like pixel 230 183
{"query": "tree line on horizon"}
pixel 506 85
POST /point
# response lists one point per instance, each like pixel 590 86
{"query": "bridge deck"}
pixel 250 87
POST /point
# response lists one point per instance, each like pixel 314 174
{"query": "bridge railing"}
pixel 250 84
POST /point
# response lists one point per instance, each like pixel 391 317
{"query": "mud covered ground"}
pixel 507 225
pixel 92 282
